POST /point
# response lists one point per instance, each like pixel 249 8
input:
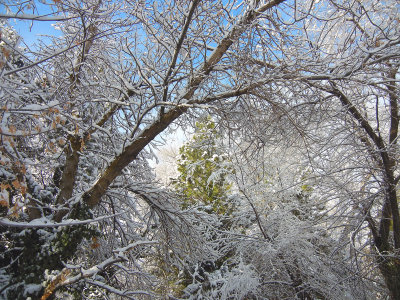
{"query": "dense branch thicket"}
pixel 303 98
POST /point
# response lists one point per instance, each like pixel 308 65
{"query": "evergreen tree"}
pixel 203 183
pixel 203 169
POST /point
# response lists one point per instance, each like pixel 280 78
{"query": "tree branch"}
pixel 390 209
pixel 92 197
pixel 34 17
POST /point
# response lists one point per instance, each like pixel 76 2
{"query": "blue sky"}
pixel 31 31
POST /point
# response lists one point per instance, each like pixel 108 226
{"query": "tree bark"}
pixel 93 196
pixel 388 265
pixel 69 175
pixel 390 269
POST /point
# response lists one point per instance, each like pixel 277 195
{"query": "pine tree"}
pixel 203 182
pixel 204 169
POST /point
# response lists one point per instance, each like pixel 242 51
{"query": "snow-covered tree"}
pixel 203 169
pixel 82 114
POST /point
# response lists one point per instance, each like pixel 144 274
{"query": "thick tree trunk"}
pixel 388 260
pixel 92 197
pixel 389 225
pixel 390 269
pixel 69 175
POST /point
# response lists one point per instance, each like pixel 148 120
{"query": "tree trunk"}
pixel 390 269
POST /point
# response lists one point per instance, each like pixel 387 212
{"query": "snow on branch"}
pixel 32 17
pixel 119 256
pixel 46 223
pixel 127 294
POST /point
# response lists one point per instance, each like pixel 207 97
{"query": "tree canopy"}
pixel 303 98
